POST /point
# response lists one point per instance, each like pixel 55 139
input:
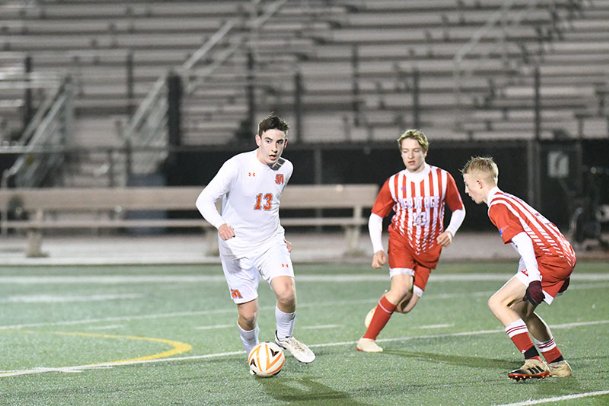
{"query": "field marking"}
pixel 177 347
pixel 321 326
pixel 435 326
pixel 109 327
pixel 231 310
pixel 558 398
pixel 218 326
pixel 301 278
pixel 79 368
pixel 69 298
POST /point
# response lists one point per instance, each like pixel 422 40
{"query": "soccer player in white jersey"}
pixel 251 239
pixel 417 195
pixel 546 263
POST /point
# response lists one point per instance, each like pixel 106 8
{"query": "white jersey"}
pixel 251 193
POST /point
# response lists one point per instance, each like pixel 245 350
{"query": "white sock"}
pixel 248 338
pixel 285 323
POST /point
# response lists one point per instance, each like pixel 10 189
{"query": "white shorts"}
pixel 243 274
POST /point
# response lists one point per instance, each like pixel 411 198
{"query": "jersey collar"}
pixel 491 195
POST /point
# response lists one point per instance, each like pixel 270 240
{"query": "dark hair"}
pixel 272 122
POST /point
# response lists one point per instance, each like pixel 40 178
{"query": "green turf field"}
pixel 165 335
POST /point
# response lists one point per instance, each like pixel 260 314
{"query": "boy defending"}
pixel 546 262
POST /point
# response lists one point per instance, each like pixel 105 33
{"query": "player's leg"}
pixel 401 272
pixel 276 268
pixel 401 285
pixel 500 305
pixel 419 283
pixel 246 323
pixel 542 335
pixel 242 279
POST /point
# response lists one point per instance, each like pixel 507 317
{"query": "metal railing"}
pixel 508 21
pixel 50 127
pixel 148 126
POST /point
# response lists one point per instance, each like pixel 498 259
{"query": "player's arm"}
pixel 382 207
pixel 375 229
pixel 511 231
pixel 455 204
pixel 524 245
pixel 206 201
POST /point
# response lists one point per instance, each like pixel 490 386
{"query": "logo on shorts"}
pixel 279 179
pixel 235 294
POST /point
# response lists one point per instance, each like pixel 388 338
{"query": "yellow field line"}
pixel 177 346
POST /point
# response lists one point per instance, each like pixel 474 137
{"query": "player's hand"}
pixel 288 245
pixel 534 294
pixel 226 232
pixel 379 259
pixel 445 239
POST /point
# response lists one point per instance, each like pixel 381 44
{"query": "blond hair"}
pixel 417 135
pixel 483 167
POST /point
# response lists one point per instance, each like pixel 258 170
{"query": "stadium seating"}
pixel 362 64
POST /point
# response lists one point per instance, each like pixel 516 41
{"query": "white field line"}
pixel 558 398
pixel 435 326
pixel 216 327
pixel 231 310
pixel 320 327
pixel 109 327
pixel 300 278
pixel 228 310
pixel 80 368
pixel 68 298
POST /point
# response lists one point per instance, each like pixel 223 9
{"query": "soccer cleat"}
pixel 367 345
pixel 298 350
pixel 532 368
pixel 560 369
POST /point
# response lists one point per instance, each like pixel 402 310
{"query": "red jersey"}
pixel 418 201
pixel 512 216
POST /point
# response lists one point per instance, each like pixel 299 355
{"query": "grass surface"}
pixel 160 335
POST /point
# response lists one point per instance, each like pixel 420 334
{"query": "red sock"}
pixel 382 314
pixel 549 350
pixel 519 334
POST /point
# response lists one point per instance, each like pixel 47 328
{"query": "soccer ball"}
pixel 266 359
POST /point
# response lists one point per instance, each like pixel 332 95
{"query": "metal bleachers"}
pixel 463 69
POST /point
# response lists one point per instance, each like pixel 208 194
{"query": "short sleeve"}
pixel 384 201
pixel 507 224
pixel 453 198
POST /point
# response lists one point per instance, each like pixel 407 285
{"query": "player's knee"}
pixel 493 303
pixel 247 315
pixel 285 291
pixel 247 321
pixel 286 296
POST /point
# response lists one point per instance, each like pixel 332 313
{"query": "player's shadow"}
pixel 460 360
pixel 305 390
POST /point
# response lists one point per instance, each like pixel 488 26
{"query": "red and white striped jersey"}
pixel 512 215
pixel 418 201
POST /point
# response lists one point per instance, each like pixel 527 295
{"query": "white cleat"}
pixel 367 345
pixel 299 350
pixel 560 369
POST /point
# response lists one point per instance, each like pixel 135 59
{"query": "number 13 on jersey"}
pixel 264 201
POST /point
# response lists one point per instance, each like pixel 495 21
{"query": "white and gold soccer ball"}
pixel 266 359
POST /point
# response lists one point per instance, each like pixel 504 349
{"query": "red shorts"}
pixel 402 256
pixel 555 273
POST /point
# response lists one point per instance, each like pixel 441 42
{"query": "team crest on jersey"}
pixel 279 179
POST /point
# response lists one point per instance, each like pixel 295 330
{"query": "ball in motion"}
pixel 266 359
